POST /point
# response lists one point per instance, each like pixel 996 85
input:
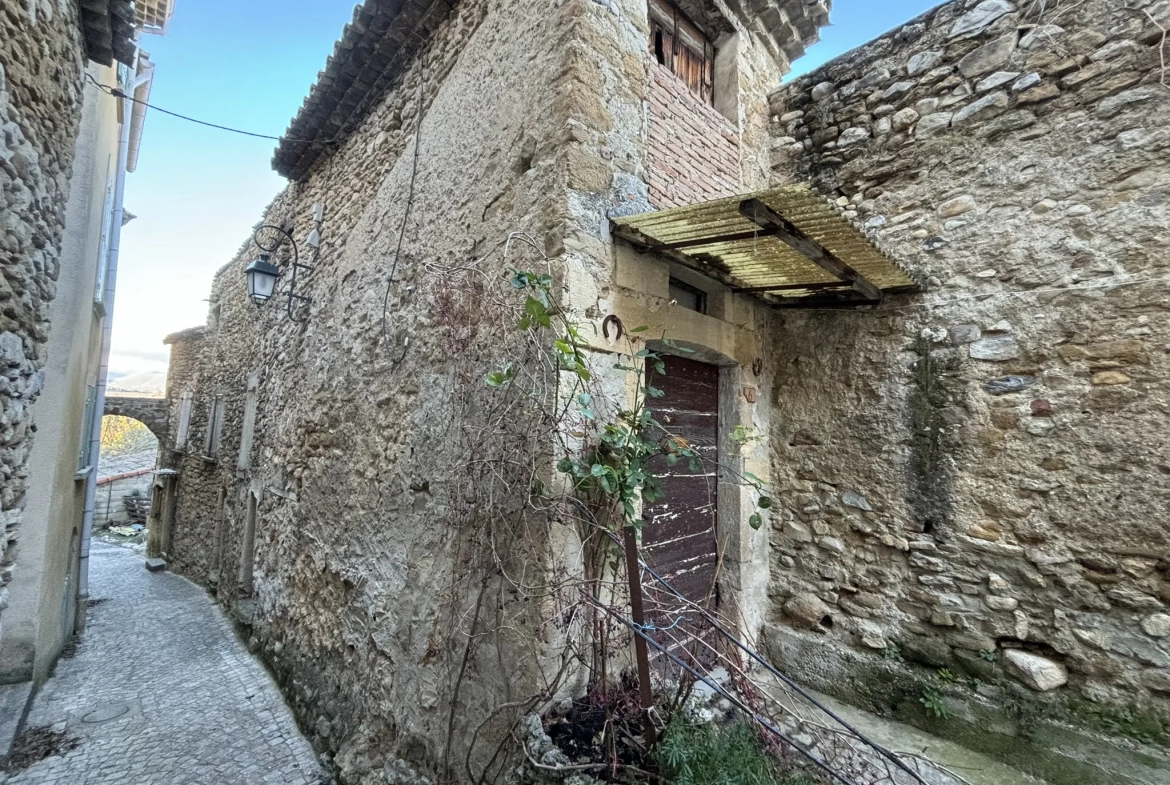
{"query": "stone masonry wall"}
pixel 373 569
pixel 693 152
pixel 976 478
pixel 40 107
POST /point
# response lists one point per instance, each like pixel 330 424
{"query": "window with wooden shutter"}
pixel 677 44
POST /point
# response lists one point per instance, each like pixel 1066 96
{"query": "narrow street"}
pixel 160 690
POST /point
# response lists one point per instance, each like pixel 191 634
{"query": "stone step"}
pixel 975 767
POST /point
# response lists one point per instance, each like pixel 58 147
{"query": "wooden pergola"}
pixel 788 246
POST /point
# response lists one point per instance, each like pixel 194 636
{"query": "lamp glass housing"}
pixel 262 275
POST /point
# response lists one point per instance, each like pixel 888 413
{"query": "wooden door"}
pixel 679 539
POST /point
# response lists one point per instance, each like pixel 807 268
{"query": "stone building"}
pixel 954 390
pixel 65 148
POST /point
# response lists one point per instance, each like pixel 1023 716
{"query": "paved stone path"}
pixel 162 692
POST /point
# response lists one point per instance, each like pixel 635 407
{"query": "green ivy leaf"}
pixel 755 520
pixel 534 307
pixel 639 329
pixel 565 465
pixel 764 503
pixel 653 392
pixel 520 280
pixel 597 470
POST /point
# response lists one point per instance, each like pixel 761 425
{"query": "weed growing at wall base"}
pixel 705 754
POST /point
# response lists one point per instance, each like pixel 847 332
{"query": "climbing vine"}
pixel 611 469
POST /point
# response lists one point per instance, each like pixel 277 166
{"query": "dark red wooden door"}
pixel 679 538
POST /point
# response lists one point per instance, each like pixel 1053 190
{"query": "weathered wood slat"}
pixel 777 225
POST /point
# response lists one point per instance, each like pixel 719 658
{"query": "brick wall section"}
pixel 694 150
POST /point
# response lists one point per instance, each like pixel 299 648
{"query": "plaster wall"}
pixel 980 472
pixel 41 62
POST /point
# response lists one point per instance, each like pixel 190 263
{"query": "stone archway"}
pixel 151 412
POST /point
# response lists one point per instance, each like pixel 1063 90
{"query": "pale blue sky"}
pixel 198 191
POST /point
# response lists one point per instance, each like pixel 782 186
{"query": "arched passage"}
pixel 151 412
pixel 126 464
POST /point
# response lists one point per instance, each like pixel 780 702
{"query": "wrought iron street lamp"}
pixel 263 275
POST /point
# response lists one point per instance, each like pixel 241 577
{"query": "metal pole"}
pixel 640 651
pixel 95 436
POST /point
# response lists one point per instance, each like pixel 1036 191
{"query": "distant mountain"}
pixel 152 382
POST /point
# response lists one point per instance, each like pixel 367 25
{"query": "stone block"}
pixel 932 125
pixel 923 61
pixel 956 206
pixel 808 611
pixel 987 107
pixel 998 79
pixel 156 565
pixel 989 57
pixel 1156 625
pixel 980 18
pixel 999 348
pixel 1042 37
pixel 1040 673
pixel 1038 94
pixel 931 652
pixel 1008 384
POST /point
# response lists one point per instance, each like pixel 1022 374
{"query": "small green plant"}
pixel 612 467
pixel 892 652
pixel 988 656
pixel 945 675
pixel 741 434
pixel 932 699
pixel 694 753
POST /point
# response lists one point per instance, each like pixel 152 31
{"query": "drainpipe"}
pixel 95 437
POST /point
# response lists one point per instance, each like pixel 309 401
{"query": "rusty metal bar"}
pixel 637 613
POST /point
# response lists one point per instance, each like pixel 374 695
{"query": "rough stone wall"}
pixel 372 566
pixel 693 151
pixel 40 108
pixel 975 478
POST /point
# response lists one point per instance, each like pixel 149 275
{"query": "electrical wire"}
pixel 395 362
pixel 118 93
pixel 710 618
pixel 720 690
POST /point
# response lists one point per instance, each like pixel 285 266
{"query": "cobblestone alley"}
pixel 160 690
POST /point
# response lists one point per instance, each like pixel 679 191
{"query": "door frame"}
pixel 744 574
